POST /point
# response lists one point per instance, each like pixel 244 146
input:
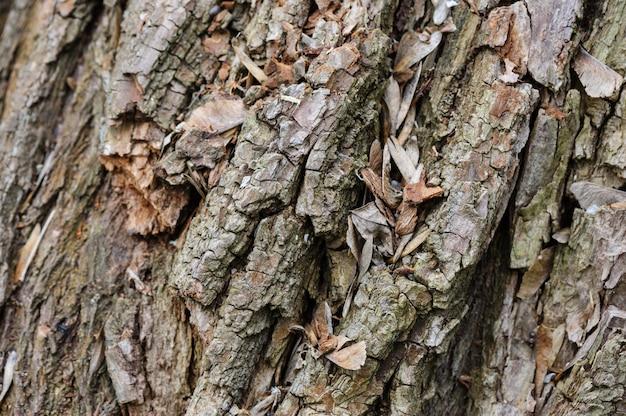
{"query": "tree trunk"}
pixel 184 192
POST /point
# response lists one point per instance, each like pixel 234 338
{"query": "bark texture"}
pixel 178 179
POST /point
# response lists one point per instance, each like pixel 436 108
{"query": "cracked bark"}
pixel 144 297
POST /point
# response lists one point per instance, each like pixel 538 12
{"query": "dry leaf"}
pixel 407 127
pixel 322 322
pixel 408 93
pixel 537 274
pixel 407 220
pixel 402 160
pixel 371 223
pixel 419 192
pixel 417 241
pixel 352 239
pixel 413 152
pixel 218 44
pixel 412 49
pixel 366 256
pixel 253 68
pixel 548 344
pixel 589 194
pixel 376 157
pixel 402 243
pixel 350 358
pixel 598 79
pixel 392 98
pixel 26 253
pixel 219 114
pixel 7 378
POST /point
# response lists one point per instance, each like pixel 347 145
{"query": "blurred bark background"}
pixel 187 189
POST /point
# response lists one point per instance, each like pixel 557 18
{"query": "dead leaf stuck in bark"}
pixel 350 358
pixel 219 114
pixel 7 377
pixel 537 274
pixel 413 48
pixel 548 344
pixel 27 253
pixel 321 339
pixel 598 79
pixel 253 68
pixel 419 192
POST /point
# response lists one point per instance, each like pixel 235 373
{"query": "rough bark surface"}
pixel 178 179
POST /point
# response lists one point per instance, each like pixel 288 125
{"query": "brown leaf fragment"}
pixel 413 48
pixel 537 274
pixel 373 182
pixel 401 244
pixel 403 161
pixel 376 157
pixel 351 357
pixel 322 322
pixel 419 192
pixel 590 194
pixel 253 68
pixel 219 114
pixel 217 44
pixel 393 98
pixel 548 343
pixel 618 205
pixel 407 220
pixel 417 241
pixel 598 79
pixel 366 256
pixel 279 74
pixel 27 254
pixel 329 344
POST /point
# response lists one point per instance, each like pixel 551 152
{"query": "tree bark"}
pixel 180 181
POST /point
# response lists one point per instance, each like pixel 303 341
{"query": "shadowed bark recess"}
pixel 312 207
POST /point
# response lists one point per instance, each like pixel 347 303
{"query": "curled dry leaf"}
pixel 537 274
pixel 351 357
pixel 598 79
pixel 412 49
pixel 589 194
